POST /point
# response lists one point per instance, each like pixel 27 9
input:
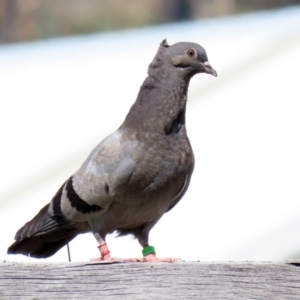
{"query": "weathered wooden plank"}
pixel 186 280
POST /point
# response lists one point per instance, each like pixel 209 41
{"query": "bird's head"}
pixel 185 58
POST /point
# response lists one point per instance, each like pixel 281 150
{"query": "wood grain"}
pixel 186 280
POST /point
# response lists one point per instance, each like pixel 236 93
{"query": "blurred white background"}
pixel 60 97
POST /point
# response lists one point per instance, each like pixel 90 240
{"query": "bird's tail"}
pixel 43 236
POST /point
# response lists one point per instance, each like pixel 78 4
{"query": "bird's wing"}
pixel 90 191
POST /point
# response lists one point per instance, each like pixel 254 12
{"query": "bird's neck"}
pixel 160 105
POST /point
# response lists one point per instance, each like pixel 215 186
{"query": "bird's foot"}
pixel 108 258
pixel 148 252
pixel 149 258
pixel 105 256
pixel 154 258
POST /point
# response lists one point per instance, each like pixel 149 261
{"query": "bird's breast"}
pixel 163 167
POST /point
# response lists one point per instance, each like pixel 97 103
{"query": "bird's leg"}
pixel 149 254
pixel 104 251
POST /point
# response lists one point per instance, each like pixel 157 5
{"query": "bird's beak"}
pixel 209 69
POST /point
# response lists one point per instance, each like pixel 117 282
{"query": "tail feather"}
pixel 44 235
pixel 42 246
pixel 34 226
pixel 49 230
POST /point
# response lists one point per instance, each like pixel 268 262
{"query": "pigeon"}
pixel 135 175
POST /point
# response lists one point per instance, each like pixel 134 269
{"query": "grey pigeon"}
pixel 134 175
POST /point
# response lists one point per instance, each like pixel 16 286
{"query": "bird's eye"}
pixel 191 53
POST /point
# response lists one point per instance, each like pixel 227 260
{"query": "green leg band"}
pixel 148 250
